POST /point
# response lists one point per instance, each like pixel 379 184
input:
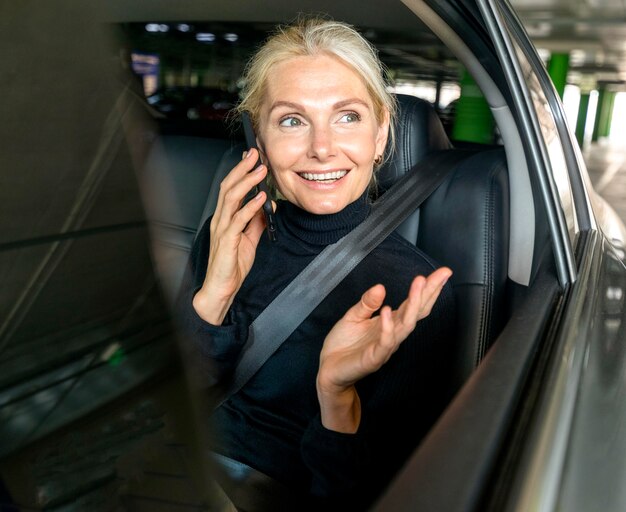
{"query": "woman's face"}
pixel 319 133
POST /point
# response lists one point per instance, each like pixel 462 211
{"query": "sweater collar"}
pixel 323 229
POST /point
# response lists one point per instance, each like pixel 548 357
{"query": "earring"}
pixel 378 160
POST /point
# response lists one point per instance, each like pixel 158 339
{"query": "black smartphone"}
pixel 268 211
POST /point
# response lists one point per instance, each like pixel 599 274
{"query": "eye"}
pixel 350 117
pixel 290 122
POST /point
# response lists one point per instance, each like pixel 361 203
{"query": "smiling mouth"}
pixel 325 177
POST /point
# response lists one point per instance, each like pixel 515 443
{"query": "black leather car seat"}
pixel 176 180
pixel 464 225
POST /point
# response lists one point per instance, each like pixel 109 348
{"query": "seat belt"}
pixel 300 297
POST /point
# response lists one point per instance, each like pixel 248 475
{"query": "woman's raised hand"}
pixel 359 344
pixel 235 234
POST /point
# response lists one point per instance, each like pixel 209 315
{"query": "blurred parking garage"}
pixel 584 45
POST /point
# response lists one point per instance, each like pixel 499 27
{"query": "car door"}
pixel 467 461
pixel 578 400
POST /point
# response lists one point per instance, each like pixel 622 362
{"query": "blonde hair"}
pixel 318 36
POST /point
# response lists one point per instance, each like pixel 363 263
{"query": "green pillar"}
pixel 558 66
pixel 473 121
pixel 581 121
pixel 606 129
pixel 598 127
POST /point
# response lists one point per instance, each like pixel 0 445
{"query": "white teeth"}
pixel 335 175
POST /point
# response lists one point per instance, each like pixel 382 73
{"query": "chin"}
pixel 325 206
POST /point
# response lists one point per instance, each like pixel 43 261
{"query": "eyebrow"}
pixel 338 105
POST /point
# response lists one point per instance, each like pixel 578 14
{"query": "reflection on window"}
pixel 146 65
pixel 552 141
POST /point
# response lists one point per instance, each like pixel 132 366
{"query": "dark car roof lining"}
pixel 389 15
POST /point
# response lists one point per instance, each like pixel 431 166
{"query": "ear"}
pixel 260 144
pixel 383 134
pixel 261 147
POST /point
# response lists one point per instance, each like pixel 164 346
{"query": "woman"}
pixel 338 408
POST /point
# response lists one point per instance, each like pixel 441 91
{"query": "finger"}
pixel 245 165
pixel 408 310
pixel 235 175
pixel 423 289
pixel 387 338
pixel 434 284
pixel 243 216
pixel 255 228
pixel 370 302
pixel 233 198
pixel 422 296
pixel 236 193
pixel 388 342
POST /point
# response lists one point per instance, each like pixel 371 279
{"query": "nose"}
pixel 322 142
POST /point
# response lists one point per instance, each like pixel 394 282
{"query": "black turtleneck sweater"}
pixel 273 423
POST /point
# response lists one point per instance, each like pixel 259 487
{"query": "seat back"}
pixel 178 177
pixel 463 225
pixel 226 164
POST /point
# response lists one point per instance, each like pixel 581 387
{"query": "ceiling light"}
pixel 231 37
pixel 577 58
pixel 157 27
pixel 205 37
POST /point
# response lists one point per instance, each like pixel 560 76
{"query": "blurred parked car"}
pixel 193 103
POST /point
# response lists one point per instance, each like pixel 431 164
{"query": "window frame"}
pixel 534 144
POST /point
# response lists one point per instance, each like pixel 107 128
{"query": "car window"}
pixel 550 135
pixel 195 68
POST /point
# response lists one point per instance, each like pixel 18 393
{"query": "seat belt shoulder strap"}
pixel 335 262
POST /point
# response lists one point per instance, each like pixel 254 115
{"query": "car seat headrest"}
pixel 418 132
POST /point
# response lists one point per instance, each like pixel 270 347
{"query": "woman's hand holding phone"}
pixel 236 229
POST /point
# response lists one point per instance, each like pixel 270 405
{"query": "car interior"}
pixel 484 222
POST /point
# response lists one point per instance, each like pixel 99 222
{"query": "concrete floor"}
pixel 606 163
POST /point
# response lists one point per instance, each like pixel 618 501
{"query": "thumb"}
pixel 370 302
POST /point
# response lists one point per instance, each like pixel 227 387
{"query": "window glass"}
pixel 552 141
pixel 178 58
